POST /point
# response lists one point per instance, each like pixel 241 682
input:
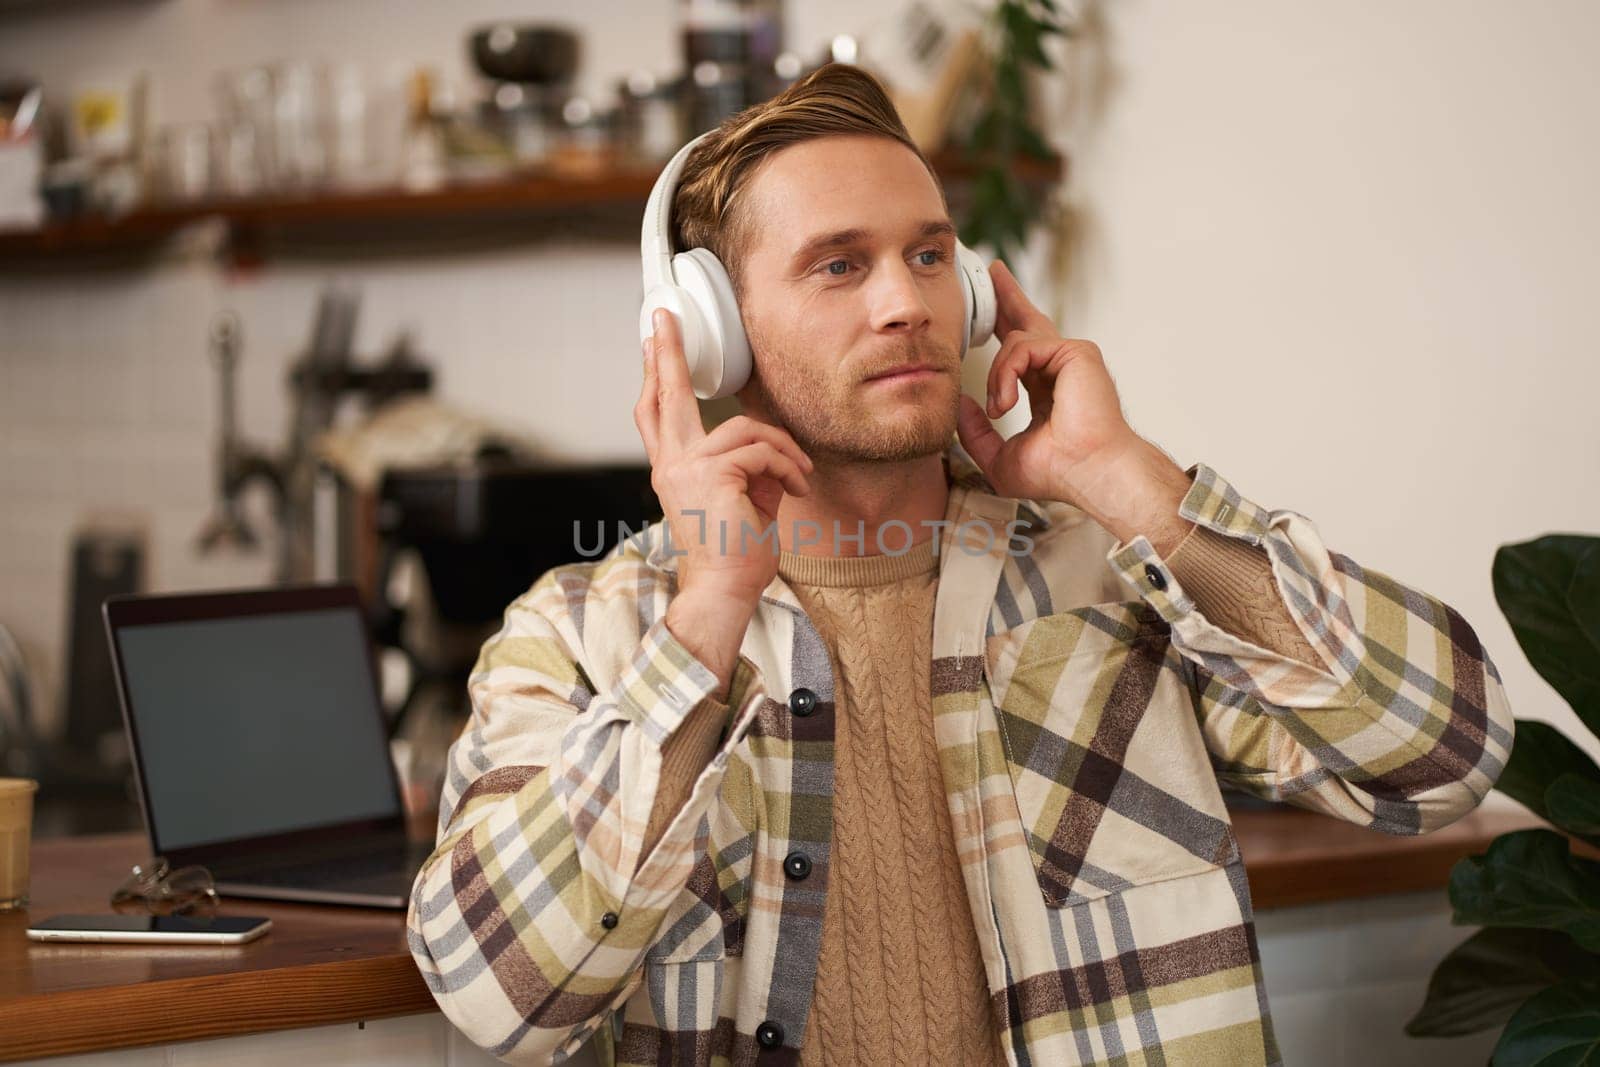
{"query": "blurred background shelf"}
pixel 397 219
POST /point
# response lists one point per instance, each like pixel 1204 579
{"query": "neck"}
pixel 851 497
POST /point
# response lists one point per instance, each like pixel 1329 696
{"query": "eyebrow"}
pixel 856 235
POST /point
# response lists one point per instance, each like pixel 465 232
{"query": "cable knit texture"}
pixel 900 978
pixel 1232 585
pixel 683 758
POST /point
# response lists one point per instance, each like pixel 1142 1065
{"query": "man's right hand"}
pixel 731 480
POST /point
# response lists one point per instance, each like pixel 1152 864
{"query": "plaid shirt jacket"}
pixel 1084 718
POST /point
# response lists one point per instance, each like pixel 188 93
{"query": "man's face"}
pixel 827 310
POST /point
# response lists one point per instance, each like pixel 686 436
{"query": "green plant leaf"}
pixel 988 216
pixel 1530 878
pixel 1023 30
pixel 1556 1028
pixel 1001 210
pixel 1010 93
pixel 1033 144
pixel 1547 590
pixel 1486 977
pixel 983 132
pixel 1539 755
pixel 1583 597
pixel 1574 803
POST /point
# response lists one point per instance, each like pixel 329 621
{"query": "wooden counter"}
pixel 1300 857
pixel 318 964
pixel 323 965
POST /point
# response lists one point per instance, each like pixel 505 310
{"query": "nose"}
pixel 898 303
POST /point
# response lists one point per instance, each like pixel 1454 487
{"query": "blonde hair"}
pixel 837 98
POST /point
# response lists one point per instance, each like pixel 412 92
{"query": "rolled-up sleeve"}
pixel 1396 718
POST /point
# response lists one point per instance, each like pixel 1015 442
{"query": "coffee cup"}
pixel 16 825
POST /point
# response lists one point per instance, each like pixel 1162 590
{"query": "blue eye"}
pixel 937 254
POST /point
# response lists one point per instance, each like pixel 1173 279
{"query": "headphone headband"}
pixel 655 237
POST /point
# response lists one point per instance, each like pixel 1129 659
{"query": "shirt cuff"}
pixel 663 683
pixel 690 748
pixel 1212 503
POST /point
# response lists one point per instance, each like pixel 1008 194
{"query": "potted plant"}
pixel 1003 206
pixel 1535 964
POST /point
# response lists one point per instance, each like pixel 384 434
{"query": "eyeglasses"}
pixel 156 889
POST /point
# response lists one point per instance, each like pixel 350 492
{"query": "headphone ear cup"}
pixel 978 290
pixel 691 331
pixel 966 305
pixel 724 364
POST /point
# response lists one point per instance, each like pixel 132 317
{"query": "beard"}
pixel 835 415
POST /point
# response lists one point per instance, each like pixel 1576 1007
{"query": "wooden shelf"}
pixel 415 214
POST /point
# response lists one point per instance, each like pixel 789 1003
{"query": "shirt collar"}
pixel 961 469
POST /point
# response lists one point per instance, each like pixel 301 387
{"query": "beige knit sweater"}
pixel 900 977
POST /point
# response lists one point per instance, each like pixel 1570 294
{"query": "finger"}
pixel 1011 302
pixel 1002 322
pixel 992 379
pixel 646 413
pixel 760 458
pixel 742 430
pixel 1002 325
pixel 978 435
pixel 680 413
pixel 1041 394
pixel 1026 355
pixel 1004 359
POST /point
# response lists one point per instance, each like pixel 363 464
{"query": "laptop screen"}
pixel 256 725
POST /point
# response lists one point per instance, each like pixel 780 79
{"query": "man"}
pixel 900 750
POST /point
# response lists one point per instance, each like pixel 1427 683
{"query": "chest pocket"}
pixel 1111 776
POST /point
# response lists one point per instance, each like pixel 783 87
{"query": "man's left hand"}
pixel 1077 447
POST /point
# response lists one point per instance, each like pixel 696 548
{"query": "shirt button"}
pixel 609 920
pixel 797 865
pixel 1153 573
pixel 802 702
pixel 769 1034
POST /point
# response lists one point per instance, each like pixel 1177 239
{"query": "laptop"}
pixel 260 744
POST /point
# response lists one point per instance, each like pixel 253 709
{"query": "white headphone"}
pixel 694 286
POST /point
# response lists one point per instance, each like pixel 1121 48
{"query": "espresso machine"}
pixel 483 533
pixel 440 520
pixel 321 381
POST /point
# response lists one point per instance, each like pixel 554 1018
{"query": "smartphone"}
pixel 151 929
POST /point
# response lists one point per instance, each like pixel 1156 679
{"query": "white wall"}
pixel 1345 255
pixel 1340 254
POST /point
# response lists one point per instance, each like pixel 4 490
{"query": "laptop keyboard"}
pixel 340 870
